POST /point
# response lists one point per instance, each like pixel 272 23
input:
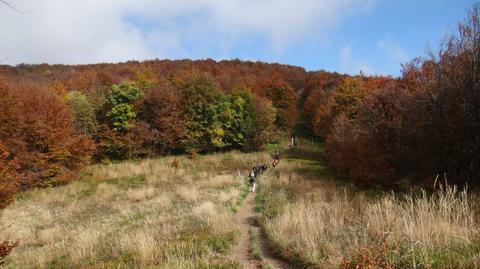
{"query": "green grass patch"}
pixel 272 147
pixel 241 198
pixel 128 182
pixel 221 244
pixel 123 183
pixel 256 250
pixel 450 255
pixel 255 245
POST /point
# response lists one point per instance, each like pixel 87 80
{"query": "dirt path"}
pixel 247 220
pixel 244 218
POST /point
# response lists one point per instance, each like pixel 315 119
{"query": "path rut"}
pixel 246 219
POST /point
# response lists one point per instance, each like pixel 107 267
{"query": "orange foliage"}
pixel 284 100
pixel 38 143
pixel 372 256
pixel 165 111
pixel 5 248
pixel 423 125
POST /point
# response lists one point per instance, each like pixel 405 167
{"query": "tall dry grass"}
pixel 132 214
pixel 322 223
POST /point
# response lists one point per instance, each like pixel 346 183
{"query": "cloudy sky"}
pixel 374 36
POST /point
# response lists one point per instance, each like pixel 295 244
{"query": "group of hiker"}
pixel 261 168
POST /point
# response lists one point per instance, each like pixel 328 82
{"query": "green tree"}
pixel 228 116
pixel 239 122
pixel 119 102
pixel 121 116
pixel 203 131
pixel 83 113
pixel 123 93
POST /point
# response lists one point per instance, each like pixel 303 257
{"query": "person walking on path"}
pixel 276 158
pixel 253 179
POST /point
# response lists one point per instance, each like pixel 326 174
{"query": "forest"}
pixel 412 129
pixel 56 119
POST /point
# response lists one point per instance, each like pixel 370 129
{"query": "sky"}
pixel 347 36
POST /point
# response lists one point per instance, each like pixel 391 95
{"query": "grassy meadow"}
pixel 314 219
pixel 157 213
pixel 175 212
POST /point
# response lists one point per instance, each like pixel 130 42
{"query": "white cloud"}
pixel 72 31
pixel 394 54
pixel 351 65
pixel 393 50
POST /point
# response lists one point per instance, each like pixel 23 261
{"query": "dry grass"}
pixel 141 194
pixel 220 181
pixel 322 223
pixel 188 194
pixel 132 214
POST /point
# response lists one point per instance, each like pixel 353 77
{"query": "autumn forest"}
pixel 382 132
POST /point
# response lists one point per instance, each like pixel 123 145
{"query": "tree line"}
pixel 56 119
pixel 419 128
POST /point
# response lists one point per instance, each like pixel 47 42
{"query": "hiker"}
pixel 276 155
pixel 276 158
pixel 265 167
pixel 253 180
pixel 259 169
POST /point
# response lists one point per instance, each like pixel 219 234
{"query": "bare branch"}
pixel 12 7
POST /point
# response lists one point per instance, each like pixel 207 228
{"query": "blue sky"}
pixel 374 36
pixel 390 33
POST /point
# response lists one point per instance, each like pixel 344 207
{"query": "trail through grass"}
pixel 133 214
pixel 151 214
